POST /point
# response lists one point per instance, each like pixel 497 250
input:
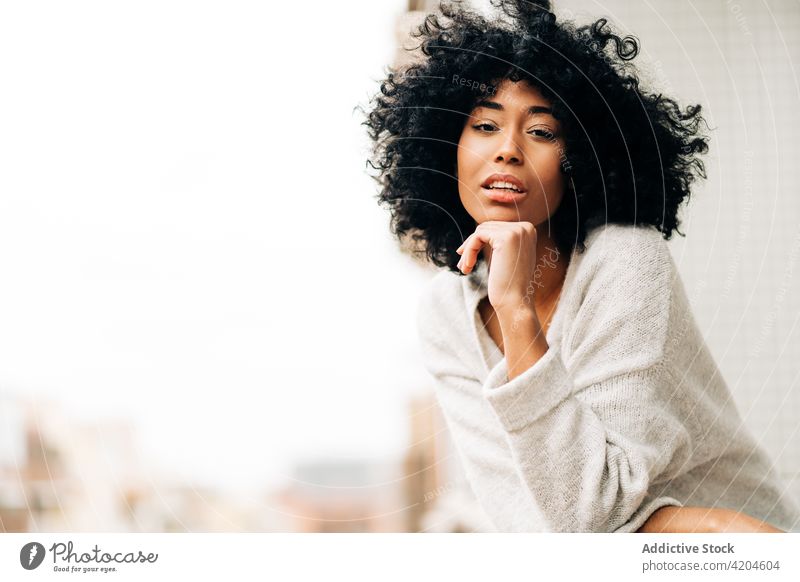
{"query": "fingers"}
pixel 460 251
pixel 484 234
pixel 469 250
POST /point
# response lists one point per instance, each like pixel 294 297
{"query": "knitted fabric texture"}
pixel 626 412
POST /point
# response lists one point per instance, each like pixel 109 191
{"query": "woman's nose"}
pixel 509 150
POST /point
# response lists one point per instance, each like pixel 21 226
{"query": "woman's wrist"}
pixel 516 313
pixel 523 339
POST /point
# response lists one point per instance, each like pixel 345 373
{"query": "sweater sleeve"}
pixel 591 438
pixel 589 458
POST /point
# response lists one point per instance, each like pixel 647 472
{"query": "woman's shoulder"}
pixel 623 259
pixel 620 246
pixel 441 296
pixel 442 285
pixel 622 292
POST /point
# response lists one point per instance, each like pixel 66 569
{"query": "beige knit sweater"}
pixel 625 413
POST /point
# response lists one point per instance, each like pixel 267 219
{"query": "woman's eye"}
pixel 542 132
pixel 487 127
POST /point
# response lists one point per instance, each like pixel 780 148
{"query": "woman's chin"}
pixel 503 214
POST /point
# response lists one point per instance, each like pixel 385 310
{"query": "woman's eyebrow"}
pixel 532 110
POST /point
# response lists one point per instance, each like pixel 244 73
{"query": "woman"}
pixel 522 155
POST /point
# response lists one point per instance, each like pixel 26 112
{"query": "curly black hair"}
pixel 632 155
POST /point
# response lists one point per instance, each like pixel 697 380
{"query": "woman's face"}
pixel 509 157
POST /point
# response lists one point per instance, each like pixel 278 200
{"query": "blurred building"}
pixel 423 473
pixel 438 495
pixel 60 474
pixel 344 496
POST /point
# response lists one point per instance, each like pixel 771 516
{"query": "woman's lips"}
pixel 503 195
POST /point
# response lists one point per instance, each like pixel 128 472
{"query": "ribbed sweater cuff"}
pixel 526 398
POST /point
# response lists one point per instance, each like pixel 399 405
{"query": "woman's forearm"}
pixel 671 519
pixel 524 342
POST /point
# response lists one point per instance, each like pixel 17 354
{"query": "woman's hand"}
pixel 510 249
pixel 670 519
